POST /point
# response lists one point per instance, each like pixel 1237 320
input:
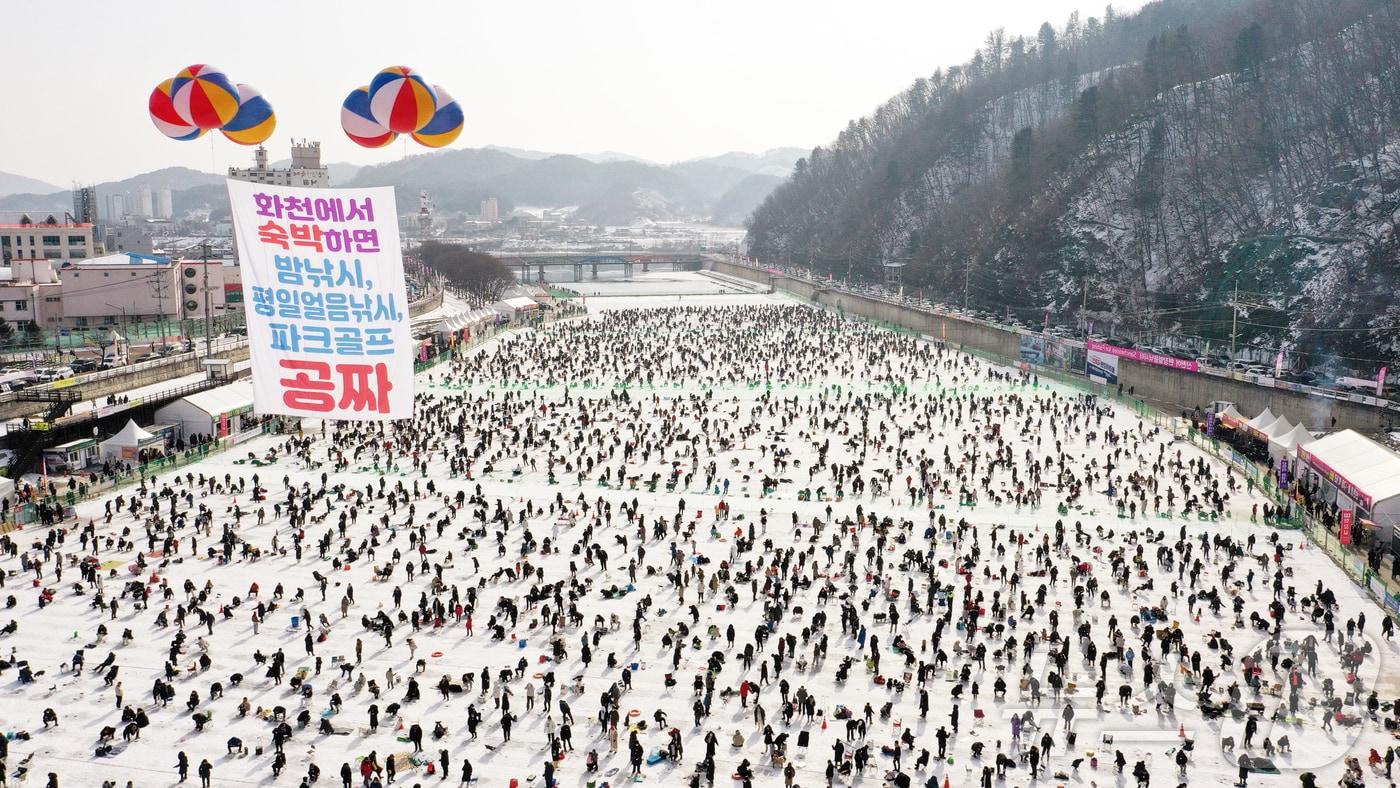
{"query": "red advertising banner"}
pixel 1143 357
pixel 1344 525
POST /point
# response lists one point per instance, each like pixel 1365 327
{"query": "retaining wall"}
pixel 1169 389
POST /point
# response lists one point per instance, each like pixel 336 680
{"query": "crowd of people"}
pixel 702 544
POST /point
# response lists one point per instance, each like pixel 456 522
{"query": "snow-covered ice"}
pixel 741 396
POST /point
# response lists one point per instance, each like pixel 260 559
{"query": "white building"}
pixel 215 283
pixel 143 202
pixel 490 210
pixel 44 235
pixel 306 169
pixel 118 290
pixel 165 204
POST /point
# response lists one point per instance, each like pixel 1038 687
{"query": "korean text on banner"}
pixel 326 307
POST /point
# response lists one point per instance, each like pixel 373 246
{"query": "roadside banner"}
pixel 327 308
pixel 1142 356
pixel 1032 348
pixel 1102 367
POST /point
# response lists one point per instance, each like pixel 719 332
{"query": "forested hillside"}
pixel 1133 171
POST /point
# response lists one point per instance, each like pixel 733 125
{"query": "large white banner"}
pixel 327 310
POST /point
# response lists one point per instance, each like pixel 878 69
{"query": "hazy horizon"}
pixel 648 79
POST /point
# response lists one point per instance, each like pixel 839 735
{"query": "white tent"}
pixel 1279 427
pixel 211 413
pixel 128 442
pixel 1282 445
pixel 1230 417
pixel 1357 473
pixel 7 488
pixel 1258 423
pixel 514 306
pixel 1298 437
pixel 462 320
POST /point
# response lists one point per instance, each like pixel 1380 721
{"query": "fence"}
pixel 78 491
pixel 1385 590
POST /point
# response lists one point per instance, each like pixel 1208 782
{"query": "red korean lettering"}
pixel 303 392
pixel 358 392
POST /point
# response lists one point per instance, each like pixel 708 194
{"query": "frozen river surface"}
pixel 675 513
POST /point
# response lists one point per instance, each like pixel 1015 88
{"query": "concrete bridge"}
pixel 579 263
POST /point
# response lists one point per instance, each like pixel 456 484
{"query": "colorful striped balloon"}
pixel 167 120
pixel 400 100
pixel 203 96
pixel 254 122
pixel 446 124
pixel 359 124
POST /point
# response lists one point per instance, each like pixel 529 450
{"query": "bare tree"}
pixel 478 277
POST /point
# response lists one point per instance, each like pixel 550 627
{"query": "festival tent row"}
pixel 454 324
pixel 1350 481
pixel 1265 434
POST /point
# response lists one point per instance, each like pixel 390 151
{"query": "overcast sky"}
pixel 662 79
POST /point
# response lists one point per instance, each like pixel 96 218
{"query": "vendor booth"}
pixel 1349 479
pixel 215 413
pixel 517 309
pixel 130 443
pixel 70 457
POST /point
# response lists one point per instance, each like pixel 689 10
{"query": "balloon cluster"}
pixel 201 98
pixel 399 101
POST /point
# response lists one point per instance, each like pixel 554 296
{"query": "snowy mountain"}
pixel 1134 170
pixel 616 191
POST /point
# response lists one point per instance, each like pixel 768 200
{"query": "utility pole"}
pixel 1234 316
pixel 158 284
pixel 1084 307
pixel 208 339
pixel 967 280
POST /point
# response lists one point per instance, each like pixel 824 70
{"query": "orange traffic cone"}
pixel 1181 731
pixel 823 723
pixel 946 784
